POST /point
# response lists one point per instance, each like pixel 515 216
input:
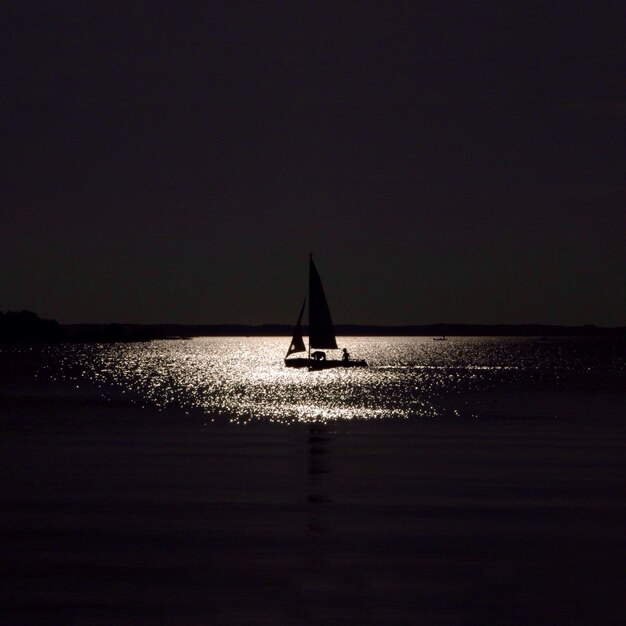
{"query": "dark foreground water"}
pixel 473 481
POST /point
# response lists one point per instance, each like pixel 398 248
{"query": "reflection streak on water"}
pixel 243 378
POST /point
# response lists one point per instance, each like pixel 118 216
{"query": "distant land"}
pixel 434 330
pixel 26 326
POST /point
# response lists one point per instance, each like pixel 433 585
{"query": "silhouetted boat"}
pixel 321 331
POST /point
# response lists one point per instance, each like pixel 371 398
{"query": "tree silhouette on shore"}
pixel 26 326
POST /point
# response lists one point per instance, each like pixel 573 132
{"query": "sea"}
pixel 243 378
pixel 475 480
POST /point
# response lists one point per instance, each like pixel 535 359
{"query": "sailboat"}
pixel 321 331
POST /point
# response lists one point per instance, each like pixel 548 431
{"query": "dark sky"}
pixel 445 161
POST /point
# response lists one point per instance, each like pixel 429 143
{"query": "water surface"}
pixel 476 481
pixel 244 378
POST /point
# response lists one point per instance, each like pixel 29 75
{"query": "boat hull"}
pixel 323 364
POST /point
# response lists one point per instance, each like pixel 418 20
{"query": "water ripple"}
pixel 244 378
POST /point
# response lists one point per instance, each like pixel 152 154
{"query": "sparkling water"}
pixel 244 378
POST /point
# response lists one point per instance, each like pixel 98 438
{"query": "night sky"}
pixel 445 161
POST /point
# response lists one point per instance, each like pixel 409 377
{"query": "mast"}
pixel 310 265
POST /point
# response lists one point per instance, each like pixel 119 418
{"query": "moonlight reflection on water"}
pixel 244 378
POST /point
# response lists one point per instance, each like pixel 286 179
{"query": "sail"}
pixel 321 331
pixel 297 343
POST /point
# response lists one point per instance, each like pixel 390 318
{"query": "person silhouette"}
pixel 346 356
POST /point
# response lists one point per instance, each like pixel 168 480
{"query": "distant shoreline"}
pixel 28 327
pixel 270 330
